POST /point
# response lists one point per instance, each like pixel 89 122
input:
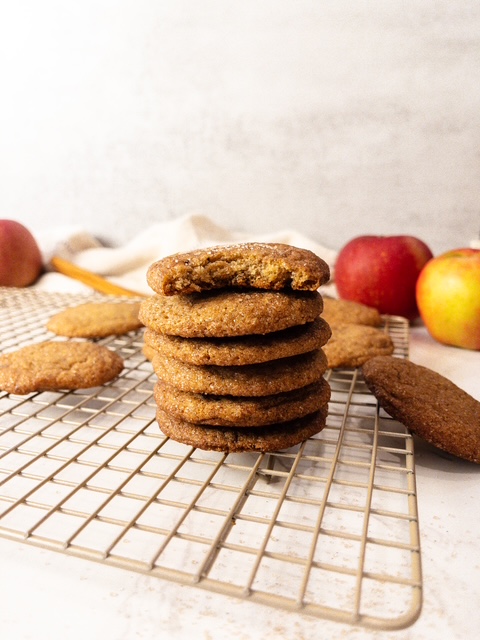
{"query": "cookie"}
pixel 353 344
pixel 270 266
pixel 230 411
pixel 261 379
pixel 226 313
pixel 149 352
pixel 234 440
pixel 243 350
pixel 58 366
pixel 96 320
pixel 348 312
pixel 428 404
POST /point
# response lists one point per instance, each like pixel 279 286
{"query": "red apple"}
pixel 20 257
pixel 448 297
pixel 381 272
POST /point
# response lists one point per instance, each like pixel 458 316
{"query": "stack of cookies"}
pixel 235 337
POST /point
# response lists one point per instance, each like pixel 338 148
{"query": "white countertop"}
pixel 47 595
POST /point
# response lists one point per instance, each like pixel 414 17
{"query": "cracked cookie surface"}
pixel 54 365
pixel 351 345
pixel 226 313
pixel 232 440
pixel 261 379
pixel 241 411
pixel 270 266
pixel 96 320
pixel 243 350
pixel 428 404
pixel 337 311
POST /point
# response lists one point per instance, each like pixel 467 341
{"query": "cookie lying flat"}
pixel 353 344
pixel 262 439
pixel 428 404
pixel 229 411
pixel 149 352
pixel 243 350
pixel 271 266
pixel 261 379
pixel 96 320
pixel 348 312
pixel 58 366
pixel 220 314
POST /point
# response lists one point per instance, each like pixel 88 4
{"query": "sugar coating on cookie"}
pixel 428 404
pixel 96 320
pixel 261 379
pixel 242 411
pixel 337 311
pixel 234 440
pixel 58 366
pixel 242 350
pixel 226 313
pixel 270 266
pixel 351 345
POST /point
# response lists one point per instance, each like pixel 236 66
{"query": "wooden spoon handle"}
pixel 91 279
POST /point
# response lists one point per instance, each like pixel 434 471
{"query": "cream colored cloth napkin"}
pixel 127 265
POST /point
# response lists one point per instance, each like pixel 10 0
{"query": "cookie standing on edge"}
pixel 428 404
pixel 50 366
pixel 269 266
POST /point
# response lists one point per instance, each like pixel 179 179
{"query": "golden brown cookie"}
pixel 149 352
pixel 236 411
pixel 353 344
pixel 234 440
pixel 226 313
pixel 261 379
pixel 271 266
pixel 428 404
pixel 242 350
pixel 58 366
pixel 348 312
pixel 96 320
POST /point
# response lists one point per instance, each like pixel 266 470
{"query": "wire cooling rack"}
pixel 328 528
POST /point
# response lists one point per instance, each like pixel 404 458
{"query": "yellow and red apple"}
pixel 20 257
pixel 382 272
pixel 448 297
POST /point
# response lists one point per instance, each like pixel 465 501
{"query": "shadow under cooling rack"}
pixel 328 528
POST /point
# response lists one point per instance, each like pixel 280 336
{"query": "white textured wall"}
pixel 334 117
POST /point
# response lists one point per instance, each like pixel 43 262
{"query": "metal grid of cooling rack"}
pixel 328 528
